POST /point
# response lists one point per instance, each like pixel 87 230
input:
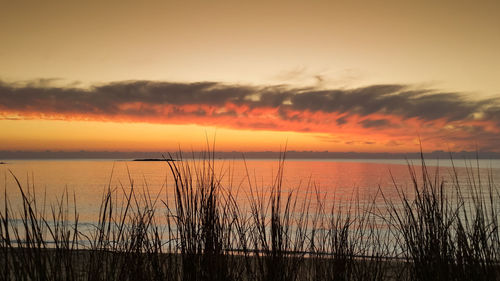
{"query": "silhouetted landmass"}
pixel 239 155
pixel 156 159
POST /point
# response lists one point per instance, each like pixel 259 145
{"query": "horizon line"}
pixel 290 154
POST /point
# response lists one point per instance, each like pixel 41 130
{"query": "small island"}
pixel 156 159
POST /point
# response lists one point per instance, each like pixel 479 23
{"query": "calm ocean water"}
pixel 339 179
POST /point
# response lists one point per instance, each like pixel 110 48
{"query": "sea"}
pixel 340 180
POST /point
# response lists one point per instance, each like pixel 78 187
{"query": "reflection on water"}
pixel 339 179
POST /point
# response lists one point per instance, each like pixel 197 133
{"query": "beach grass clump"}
pixel 38 244
pixel 448 231
pixel 204 221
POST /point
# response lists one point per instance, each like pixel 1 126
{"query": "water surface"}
pixel 336 179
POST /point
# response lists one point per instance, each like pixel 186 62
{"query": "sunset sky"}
pixel 367 76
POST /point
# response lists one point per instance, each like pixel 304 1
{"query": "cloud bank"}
pixel 393 111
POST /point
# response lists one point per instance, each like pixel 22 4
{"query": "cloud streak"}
pixel 377 109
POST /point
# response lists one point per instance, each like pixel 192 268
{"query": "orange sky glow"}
pixel 368 76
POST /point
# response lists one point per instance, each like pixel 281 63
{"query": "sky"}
pixel 367 76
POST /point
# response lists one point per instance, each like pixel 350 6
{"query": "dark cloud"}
pixel 14 118
pixel 493 113
pixel 341 121
pixel 107 100
pixel 375 123
pixel 359 142
pixel 393 143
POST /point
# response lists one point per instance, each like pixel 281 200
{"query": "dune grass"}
pixel 436 230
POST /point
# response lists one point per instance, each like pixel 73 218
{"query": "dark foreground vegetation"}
pixel 438 230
